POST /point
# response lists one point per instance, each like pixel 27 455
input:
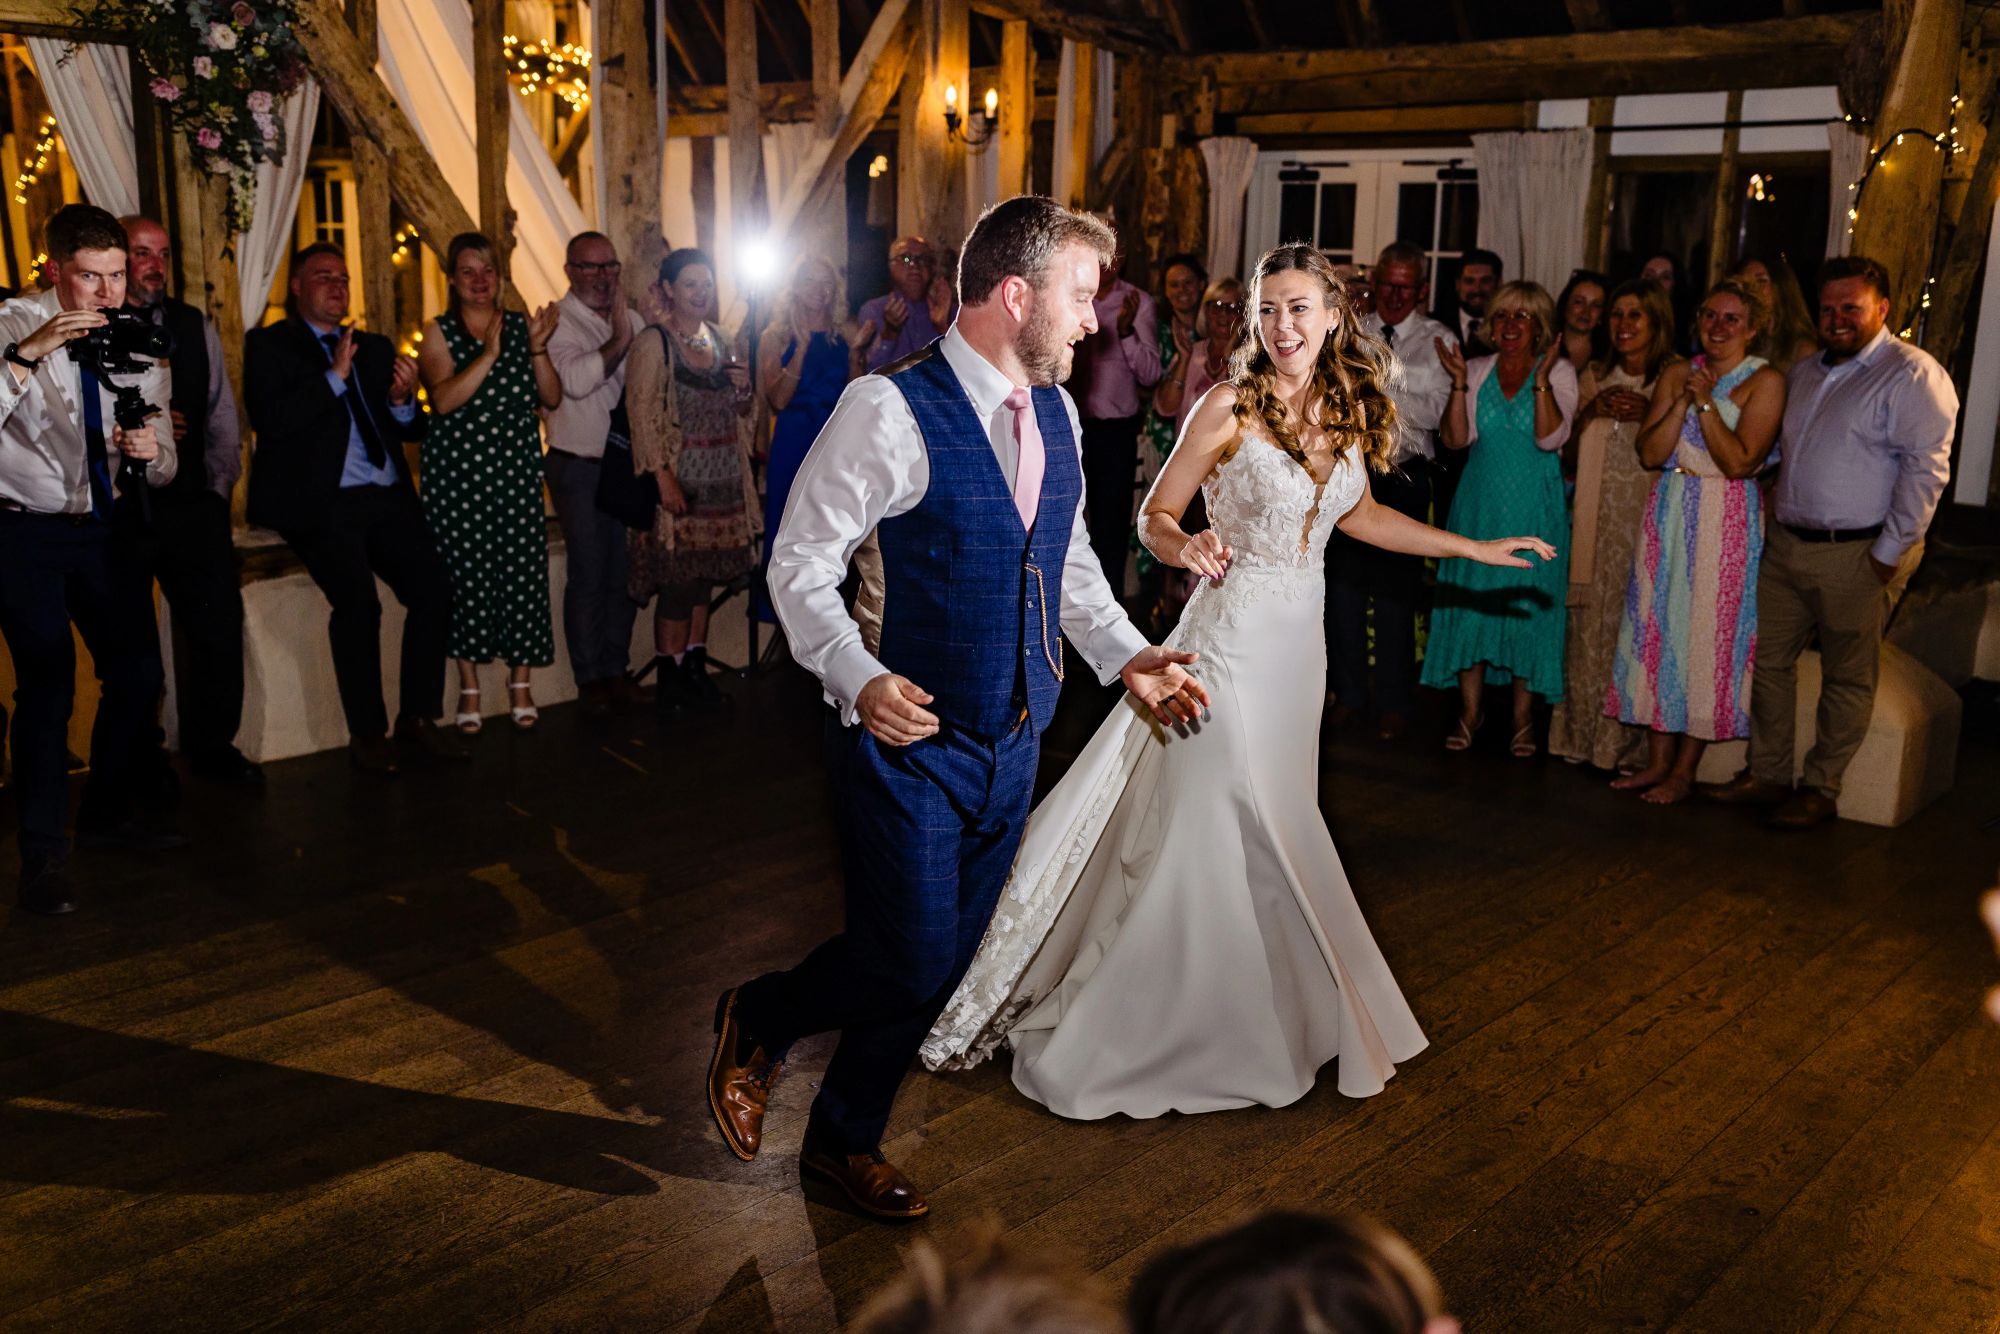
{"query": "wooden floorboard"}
pixel 428 1053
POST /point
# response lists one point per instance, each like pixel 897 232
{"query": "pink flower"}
pixel 165 89
pixel 243 14
pixel 267 125
pixel 208 137
pixel 222 37
pixel 204 67
pixel 260 102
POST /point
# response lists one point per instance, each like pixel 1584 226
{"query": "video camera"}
pixel 114 348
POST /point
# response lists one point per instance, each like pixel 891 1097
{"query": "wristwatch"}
pixel 13 354
pixel 1700 408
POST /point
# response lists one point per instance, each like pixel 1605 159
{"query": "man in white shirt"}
pixel 987 566
pixel 588 348
pixel 62 476
pixel 1357 573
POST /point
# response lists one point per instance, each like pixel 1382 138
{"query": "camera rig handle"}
pixel 130 410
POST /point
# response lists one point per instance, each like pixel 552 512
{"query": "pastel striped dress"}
pixel 1688 636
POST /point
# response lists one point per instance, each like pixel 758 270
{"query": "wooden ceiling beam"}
pixel 1587 15
pixel 1462 118
pixel 1260 31
pixel 865 93
pixel 1168 14
pixel 1807 50
pixel 1368 22
pixel 788 52
pixel 677 40
pixel 790 101
pixel 1051 16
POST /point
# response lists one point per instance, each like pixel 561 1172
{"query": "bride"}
pixel 1177 934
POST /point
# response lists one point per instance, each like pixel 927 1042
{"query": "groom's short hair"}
pixel 1021 239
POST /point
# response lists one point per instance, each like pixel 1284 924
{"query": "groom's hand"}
pixel 1157 676
pixel 892 709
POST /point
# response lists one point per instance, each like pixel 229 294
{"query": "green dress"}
pixel 1511 620
pixel 483 496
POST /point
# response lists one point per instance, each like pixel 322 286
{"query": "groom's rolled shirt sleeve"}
pixel 863 467
pixel 1095 625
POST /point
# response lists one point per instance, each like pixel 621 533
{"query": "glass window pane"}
pixel 1295 211
pixel 1458 228
pixel 1336 215
pixel 1416 210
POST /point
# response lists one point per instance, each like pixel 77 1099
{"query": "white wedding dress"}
pixel 1177 933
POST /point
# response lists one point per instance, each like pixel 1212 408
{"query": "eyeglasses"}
pixel 1510 317
pixel 608 266
pixel 912 261
pixel 1227 307
pixel 1396 287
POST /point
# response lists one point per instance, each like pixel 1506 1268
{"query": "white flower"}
pixel 222 37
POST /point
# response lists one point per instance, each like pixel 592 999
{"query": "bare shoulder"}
pixel 1766 380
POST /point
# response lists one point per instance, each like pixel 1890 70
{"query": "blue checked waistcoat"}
pixel 972 601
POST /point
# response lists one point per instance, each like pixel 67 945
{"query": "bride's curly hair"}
pixel 1352 405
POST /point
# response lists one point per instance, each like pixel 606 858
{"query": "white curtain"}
pixel 261 251
pixel 1532 188
pixel 1847 158
pixel 90 89
pixel 425 51
pixel 1231 162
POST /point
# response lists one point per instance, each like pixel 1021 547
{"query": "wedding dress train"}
pixel 1177 933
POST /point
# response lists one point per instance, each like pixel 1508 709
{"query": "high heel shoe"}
pixel 525 716
pixel 1462 733
pixel 468 721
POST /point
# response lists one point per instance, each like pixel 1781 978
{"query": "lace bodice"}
pixel 1265 507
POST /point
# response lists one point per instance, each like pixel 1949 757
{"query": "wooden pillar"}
pixel 1959 267
pixel 1596 216
pixel 630 154
pixel 746 139
pixel 375 226
pixel 1898 207
pixel 1017 106
pixel 930 196
pixel 491 89
pixel 202 235
pixel 1082 117
pixel 1722 216
pixel 831 236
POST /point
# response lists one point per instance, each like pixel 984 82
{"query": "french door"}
pixel 1350 205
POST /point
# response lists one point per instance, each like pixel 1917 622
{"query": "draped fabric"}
pixel 1532 187
pixel 1067 176
pixel 425 53
pixel 1231 162
pixel 1847 157
pixel 89 86
pixel 261 251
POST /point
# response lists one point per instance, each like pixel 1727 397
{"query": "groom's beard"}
pixel 1045 354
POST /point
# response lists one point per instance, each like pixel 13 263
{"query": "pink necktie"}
pixel 1028 467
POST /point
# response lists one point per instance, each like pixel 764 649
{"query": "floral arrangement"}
pixel 217 69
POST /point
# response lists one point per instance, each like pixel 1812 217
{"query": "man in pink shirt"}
pixel 1114 367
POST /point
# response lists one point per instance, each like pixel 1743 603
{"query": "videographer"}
pixel 61 448
pixel 188 547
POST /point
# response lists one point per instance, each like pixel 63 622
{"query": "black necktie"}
pixel 97 461
pixel 371 439
pixel 1389 334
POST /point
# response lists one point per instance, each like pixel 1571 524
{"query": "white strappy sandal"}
pixel 468 722
pixel 525 716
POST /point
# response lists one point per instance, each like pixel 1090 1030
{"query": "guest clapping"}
pixel 1580 311
pixel 1790 336
pixel 1612 490
pixel 1206 362
pixel 806 357
pixel 912 314
pixel 1689 632
pixel 689 401
pixel 1513 411
pixel 487 371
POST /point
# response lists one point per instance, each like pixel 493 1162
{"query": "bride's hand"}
pixel 1158 677
pixel 1501 551
pixel 1205 555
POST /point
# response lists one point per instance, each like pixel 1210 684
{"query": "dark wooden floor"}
pixel 427 1054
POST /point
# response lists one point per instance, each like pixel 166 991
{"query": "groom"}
pixel 963 457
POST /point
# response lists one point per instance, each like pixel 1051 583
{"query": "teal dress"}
pixel 1510 620
pixel 483 497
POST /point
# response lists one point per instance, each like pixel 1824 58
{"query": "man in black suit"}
pixel 333 408
pixel 188 546
pixel 1479 276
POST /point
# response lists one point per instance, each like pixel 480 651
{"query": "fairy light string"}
pixel 1945 141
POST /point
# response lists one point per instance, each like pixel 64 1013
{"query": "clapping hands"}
pixel 541 325
pixel 402 380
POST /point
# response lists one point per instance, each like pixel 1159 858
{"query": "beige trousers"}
pixel 1828 588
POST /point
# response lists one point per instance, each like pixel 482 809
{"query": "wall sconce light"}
pixel 988 119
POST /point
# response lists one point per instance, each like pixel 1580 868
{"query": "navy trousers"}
pixel 928 833
pixel 1356 574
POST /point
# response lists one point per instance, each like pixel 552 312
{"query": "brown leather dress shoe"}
pixel 870 1182
pixel 1744 790
pixel 372 755
pixel 739 1085
pixel 1804 809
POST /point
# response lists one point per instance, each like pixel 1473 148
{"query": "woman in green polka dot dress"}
pixel 486 370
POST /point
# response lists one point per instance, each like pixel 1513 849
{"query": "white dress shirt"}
pixel 1868 441
pixel 43 465
pixel 1562 386
pixel 869 464
pixel 1421 386
pixel 579 423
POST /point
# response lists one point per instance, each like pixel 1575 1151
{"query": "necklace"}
pixel 698 342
